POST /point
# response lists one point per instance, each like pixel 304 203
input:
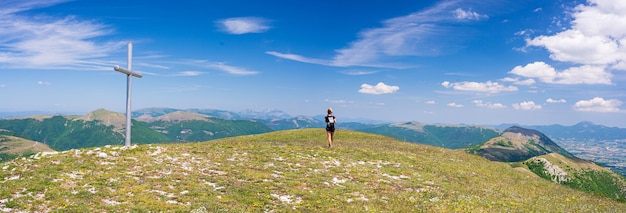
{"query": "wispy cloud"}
pixel 300 58
pixel 358 72
pixel 423 33
pixel 380 88
pixel 44 83
pixel 189 73
pixel 243 25
pixel 11 7
pixel 488 87
pixel 232 69
pixel 48 42
pixel 221 66
pixel 455 105
pixel 341 102
pixel 517 81
pixel 598 104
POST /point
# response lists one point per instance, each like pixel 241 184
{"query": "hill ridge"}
pixel 106 117
pixel 282 171
pixel 519 144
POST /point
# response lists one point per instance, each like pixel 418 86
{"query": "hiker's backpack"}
pixel 330 121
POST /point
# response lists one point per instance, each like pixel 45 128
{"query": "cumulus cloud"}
pixel 598 104
pixel 243 25
pixel 489 87
pixel 555 101
pixel 517 81
pixel 594 41
pixel 380 88
pixel 468 14
pixel 585 74
pixel 526 105
pixel 453 104
pixel 489 105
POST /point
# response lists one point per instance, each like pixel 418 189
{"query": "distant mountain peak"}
pixel 519 144
pixel 412 125
pixel 118 120
pixel 524 131
pixel 176 116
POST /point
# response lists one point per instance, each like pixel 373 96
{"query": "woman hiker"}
pixel 330 126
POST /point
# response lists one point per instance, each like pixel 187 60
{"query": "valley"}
pixel 610 153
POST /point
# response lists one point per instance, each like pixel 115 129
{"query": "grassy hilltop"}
pixel 12 147
pixel 282 171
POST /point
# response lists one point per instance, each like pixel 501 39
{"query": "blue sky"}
pixel 450 61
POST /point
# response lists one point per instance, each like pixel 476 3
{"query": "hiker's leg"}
pixel 330 138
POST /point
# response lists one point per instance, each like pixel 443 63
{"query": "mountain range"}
pixel 168 125
pixel 524 149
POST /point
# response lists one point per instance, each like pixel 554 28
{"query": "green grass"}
pixel 286 171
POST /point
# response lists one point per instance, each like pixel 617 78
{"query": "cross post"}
pixel 129 73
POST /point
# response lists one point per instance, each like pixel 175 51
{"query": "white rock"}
pixel 48 153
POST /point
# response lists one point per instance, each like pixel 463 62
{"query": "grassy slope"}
pixel 283 171
pixel 15 145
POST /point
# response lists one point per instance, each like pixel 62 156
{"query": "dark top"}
pixel 330 123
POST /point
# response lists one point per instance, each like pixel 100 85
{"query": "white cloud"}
pixel 358 72
pixel 41 42
pixel 430 102
pixel 300 58
pixel 489 105
pixel 45 83
pixel 222 66
pixel 526 105
pixel 455 105
pixel 594 41
pixel 232 70
pixel 517 81
pixel 339 101
pixel 422 33
pixel 598 104
pixel 380 88
pixel 489 87
pixel 243 25
pixel 555 101
pixel 585 74
pixel 468 14
pixel 189 73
